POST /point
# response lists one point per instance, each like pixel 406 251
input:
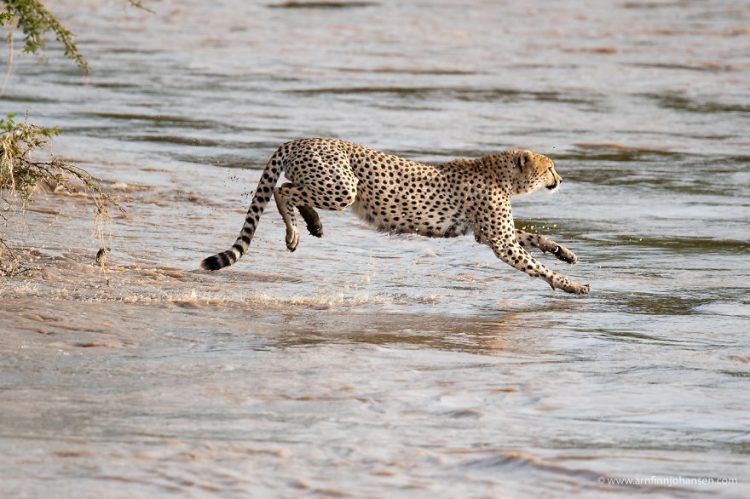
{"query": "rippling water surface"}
pixel 370 365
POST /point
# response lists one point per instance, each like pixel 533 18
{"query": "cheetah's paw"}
pixel 564 254
pixel 292 240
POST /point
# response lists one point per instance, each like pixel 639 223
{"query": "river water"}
pixel 371 365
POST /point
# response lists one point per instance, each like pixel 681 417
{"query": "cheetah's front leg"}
pixel 499 234
pixel 514 255
pixel 546 245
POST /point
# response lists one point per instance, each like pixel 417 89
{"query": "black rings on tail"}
pixel 216 262
pixel 262 196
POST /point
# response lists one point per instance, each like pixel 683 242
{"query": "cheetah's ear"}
pixel 521 161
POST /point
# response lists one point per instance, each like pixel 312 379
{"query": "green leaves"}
pixel 34 20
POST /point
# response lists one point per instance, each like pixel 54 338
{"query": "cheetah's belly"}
pixel 399 211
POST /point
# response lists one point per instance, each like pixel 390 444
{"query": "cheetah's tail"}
pixel 262 195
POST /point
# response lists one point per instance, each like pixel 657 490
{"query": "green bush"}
pixel 20 172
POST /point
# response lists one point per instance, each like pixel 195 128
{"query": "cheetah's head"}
pixel 533 171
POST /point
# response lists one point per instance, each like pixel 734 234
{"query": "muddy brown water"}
pixel 369 365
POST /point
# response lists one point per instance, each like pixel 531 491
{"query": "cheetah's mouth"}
pixel 552 186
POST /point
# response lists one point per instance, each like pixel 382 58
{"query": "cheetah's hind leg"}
pixel 328 186
pixel 312 220
pixel 286 210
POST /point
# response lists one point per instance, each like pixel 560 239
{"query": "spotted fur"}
pixel 397 195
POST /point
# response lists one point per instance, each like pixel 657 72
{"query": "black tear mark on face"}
pixel 555 181
pixel 521 161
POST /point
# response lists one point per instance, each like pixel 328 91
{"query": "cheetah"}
pixel 396 195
